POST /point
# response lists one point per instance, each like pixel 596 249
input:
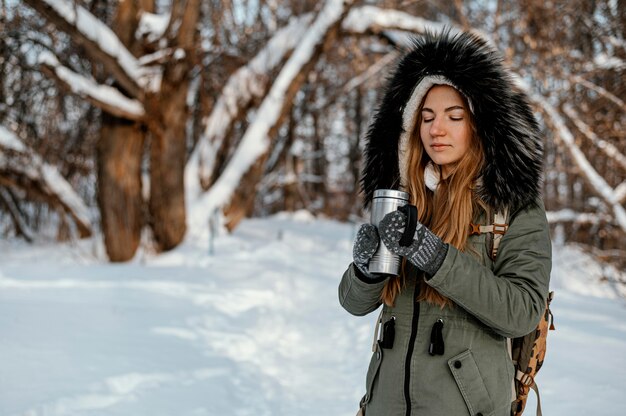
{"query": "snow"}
pixel 9 140
pixel 620 192
pixel 83 86
pixel 577 217
pixel 605 61
pixel 255 140
pixel 255 329
pixel 152 26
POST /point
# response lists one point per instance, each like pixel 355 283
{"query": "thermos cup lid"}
pixel 391 193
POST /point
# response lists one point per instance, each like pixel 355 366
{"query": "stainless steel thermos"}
pixel 385 201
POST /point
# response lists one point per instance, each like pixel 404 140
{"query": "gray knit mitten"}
pixel 427 252
pixel 365 246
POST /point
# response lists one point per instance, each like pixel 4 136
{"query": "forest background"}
pixel 127 120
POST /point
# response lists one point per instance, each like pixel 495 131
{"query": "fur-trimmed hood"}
pixel 510 135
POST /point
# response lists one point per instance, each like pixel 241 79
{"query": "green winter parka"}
pixel 493 301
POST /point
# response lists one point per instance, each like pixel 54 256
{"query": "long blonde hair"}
pixel 448 212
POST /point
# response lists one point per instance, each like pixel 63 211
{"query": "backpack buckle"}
pixel 474 229
pixel 500 228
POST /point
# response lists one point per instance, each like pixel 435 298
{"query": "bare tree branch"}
pixel 597 182
pixel 580 80
pixel 22 228
pixel 186 34
pixel 176 14
pixel 359 79
pixel 608 149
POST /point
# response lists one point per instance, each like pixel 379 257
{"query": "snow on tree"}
pixel 25 170
pixel 609 149
pixel 247 83
pixel 280 102
pixel 108 98
pixel 147 101
pixel 256 140
pixel 587 171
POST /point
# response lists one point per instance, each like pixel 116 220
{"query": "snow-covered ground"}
pixel 255 329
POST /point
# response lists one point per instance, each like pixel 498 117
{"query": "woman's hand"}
pixel 365 246
pixel 427 252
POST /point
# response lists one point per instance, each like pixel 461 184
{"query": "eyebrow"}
pixel 454 107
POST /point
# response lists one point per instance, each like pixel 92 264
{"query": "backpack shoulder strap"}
pixel 497 229
pixel 500 226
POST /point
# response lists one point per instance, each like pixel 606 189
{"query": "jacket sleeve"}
pixel 511 298
pixel 358 295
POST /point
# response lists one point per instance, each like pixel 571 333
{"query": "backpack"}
pixel 527 352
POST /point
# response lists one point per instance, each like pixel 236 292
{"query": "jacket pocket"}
pixel 471 385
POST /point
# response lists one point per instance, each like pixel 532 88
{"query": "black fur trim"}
pixel 504 120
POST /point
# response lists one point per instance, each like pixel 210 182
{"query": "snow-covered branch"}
pixel 107 98
pixel 255 141
pixel 604 61
pixel 152 26
pixel 100 42
pixel 568 215
pixel 45 176
pixel 374 19
pixel 620 192
pixel 609 149
pixel 566 137
pixel 248 83
pixel 580 80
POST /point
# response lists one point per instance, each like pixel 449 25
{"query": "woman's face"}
pixel 445 128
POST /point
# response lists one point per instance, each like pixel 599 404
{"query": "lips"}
pixel 438 147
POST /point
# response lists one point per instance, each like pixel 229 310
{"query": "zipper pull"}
pixel 436 339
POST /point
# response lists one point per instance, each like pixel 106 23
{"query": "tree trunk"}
pixel 242 202
pixel 168 151
pixel 318 190
pixel 167 167
pixel 119 156
pixel 119 186
pixel 290 188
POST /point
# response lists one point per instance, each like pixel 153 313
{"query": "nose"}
pixel 436 129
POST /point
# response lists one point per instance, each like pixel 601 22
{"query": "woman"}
pixel 454 133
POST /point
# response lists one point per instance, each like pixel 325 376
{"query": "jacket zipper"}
pixel 409 353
